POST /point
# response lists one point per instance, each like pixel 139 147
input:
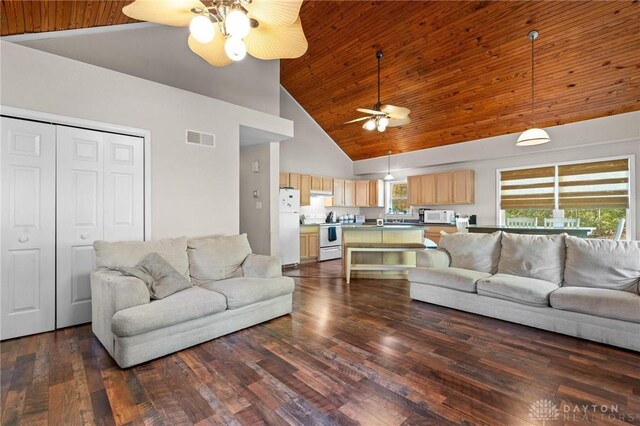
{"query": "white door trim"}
pixel 46 117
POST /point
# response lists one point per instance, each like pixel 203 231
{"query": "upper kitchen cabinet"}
pixel 305 190
pixel 294 180
pixel 316 183
pixel 376 193
pixel 327 184
pixel 447 188
pixel 338 192
pixel 349 193
pixel 284 180
pixel 362 193
pixel 464 187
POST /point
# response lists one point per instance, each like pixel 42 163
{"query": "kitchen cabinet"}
pixel 376 193
pixel 305 190
pixel 284 180
pixel 414 188
pixel 309 243
pixel 338 192
pixel 427 189
pixel 314 247
pixel 316 183
pixel 464 183
pixel 362 193
pixel 294 180
pixel 349 193
pixel 327 184
pixel 444 188
pixel 434 232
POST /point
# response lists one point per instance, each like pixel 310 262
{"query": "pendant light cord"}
pixel 533 121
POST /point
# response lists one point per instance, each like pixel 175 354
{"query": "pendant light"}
pixel 389 176
pixel 533 135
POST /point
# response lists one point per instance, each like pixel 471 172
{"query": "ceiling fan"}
pixel 382 116
pixel 224 31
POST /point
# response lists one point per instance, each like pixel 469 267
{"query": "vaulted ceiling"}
pixel 462 67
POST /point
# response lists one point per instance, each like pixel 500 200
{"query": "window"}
pixel 595 192
pixel 397 200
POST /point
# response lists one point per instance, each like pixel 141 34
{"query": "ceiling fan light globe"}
pixel 235 48
pixel 389 176
pixel 369 124
pixel 237 24
pixel 384 122
pixel 532 137
pixel 202 29
pixel 381 128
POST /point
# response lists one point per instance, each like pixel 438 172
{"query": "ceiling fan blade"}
pixel 212 52
pixel 395 111
pixel 357 119
pixel 166 12
pixel 274 12
pixel 370 111
pixel 397 122
pixel 276 42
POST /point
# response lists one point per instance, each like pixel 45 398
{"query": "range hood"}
pixel 320 193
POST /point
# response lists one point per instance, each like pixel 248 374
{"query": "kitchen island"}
pixel 388 234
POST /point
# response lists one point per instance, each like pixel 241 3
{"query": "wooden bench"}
pixel 378 247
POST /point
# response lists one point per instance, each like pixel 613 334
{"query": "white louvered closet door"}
pixel 100 197
pixel 28 160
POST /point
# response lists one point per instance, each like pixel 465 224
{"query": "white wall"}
pixel 259 217
pixel 311 151
pixel 195 190
pixel 161 54
pixel 597 138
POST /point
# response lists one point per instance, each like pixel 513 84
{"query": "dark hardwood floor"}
pixel 361 354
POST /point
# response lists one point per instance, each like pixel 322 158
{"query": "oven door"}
pixel 324 236
pixel 328 253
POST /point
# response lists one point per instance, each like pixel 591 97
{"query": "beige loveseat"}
pixel 232 289
pixel 586 288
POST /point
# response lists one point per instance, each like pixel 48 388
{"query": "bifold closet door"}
pixel 28 227
pixel 100 196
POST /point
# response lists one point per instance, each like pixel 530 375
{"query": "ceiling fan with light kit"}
pixel 224 31
pixel 382 116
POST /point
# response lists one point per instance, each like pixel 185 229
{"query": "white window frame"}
pixel 631 211
pixel 387 201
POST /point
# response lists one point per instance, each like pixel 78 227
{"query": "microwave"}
pixel 439 216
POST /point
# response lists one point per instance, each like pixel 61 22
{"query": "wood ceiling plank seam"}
pixel 19 15
pixel 4 23
pixel 28 16
pixel 88 12
pixel 78 19
pixel 11 16
pixel 103 13
pixel 58 14
pixel 67 17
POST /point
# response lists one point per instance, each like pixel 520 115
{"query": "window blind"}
pixel 600 184
pixel 528 188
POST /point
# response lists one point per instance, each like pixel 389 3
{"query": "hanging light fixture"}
pixel 533 135
pixel 389 176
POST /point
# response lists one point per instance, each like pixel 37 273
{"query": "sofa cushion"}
pixel 161 279
pixel 533 256
pixel 217 258
pixel 529 291
pixel 453 278
pixel 125 254
pixel 180 307
pixel 601 302
pixel 245 291
pixel 602 264
pixel 478 252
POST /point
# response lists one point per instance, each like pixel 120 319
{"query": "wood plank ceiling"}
pixel 462 67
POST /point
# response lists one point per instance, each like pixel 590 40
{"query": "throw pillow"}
pixel 477 252
pixel 161 279
pixel 533 256
pixel 217 258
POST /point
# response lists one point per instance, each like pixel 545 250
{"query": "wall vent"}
pixel 200 138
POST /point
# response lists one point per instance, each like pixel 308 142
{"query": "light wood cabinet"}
pixel 313 245
pixel 362 193
pixel 309 243
pixel 338 192
pixel 304 246
pixel 349 193
pixel 327 184
pixel 294 180
pixel 376 193
pixel 444 188
pixel 305 190
pixel 316 183
pixel 414 189
pixel 464 182
pixel 427 189
pixel 284 180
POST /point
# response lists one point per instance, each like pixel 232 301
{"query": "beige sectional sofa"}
pixel 587 288
pixel 232 289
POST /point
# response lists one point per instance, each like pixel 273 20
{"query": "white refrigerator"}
pixel 289 226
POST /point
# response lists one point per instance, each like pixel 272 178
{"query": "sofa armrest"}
pixel 112 292
pixel 259 266
pixel 433 259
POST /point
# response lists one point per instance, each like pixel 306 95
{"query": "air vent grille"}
pixel 200 138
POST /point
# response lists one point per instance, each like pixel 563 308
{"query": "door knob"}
pixel 23 239
pixel 84 236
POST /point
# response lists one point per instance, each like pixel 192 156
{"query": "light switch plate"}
pixel 258 205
